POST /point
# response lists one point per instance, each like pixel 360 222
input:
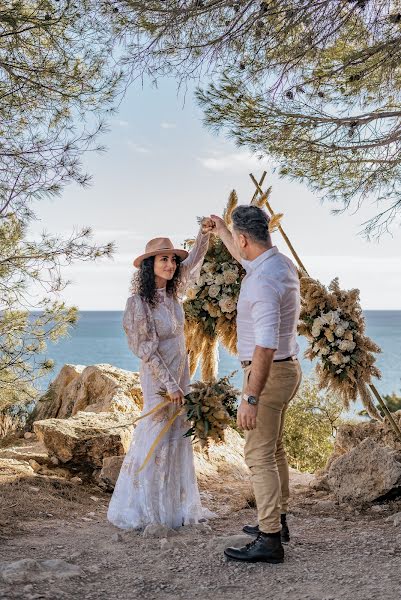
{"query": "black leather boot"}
pixel 266 547
pixel 285 532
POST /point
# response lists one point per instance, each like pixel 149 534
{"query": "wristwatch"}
pixel 252 400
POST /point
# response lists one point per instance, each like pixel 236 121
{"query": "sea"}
pixel 98 337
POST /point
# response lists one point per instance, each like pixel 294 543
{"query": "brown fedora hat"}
pixel 159 246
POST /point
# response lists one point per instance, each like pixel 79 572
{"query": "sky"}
pixel 163 168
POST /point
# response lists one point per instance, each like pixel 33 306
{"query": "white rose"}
pixel 207 267
pixel 214 291
pixel 227 304
pixel 346 359
pixel 230 277
pixel 317 326
pixel 333 317
pixel 339 331
pixel 315 331
pixel 219 279
pixel 346 345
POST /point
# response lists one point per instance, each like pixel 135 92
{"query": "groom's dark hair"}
pixel 252 221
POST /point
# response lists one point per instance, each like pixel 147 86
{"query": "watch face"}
pixel 252 400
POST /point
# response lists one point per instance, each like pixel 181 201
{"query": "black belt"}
pixel 247 363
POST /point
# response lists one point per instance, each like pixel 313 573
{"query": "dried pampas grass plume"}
pixel 275 222
pixel 231 205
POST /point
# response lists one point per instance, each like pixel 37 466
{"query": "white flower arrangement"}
pixel 216 293
pixel 332 321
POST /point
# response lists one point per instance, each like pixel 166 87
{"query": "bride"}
pixel 165 491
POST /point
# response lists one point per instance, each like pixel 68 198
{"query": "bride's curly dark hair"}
pixel 143 280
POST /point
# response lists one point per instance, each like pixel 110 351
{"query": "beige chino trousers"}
pixel 264 451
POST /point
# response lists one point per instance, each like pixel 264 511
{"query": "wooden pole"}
pixel 259 186
pixel 373 388
pixel 386 411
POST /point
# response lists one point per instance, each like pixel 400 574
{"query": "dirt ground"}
pixel 336 552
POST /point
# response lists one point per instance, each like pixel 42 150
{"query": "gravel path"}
pixel 336 552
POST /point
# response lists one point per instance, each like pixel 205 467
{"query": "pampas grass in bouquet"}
pixel 210 407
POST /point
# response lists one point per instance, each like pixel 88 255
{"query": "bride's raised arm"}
pixel 191 266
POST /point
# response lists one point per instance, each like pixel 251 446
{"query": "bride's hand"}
pixel 207 225
pixel 177 397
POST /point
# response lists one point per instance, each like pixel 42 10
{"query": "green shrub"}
pixel 311 423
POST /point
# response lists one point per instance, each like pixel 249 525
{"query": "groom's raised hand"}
pixel 219 224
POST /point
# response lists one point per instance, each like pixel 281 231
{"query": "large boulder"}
pixel 365 473
pixel 97 388
pixel 85 439
pixel 350 435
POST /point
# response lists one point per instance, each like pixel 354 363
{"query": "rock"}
pixel 35 466
pixel 110 471
pixel 117 537
pixel 224 463
pixel 379 508
pixel 26 451
pixel 54 472
pixel 97 388
pixel 300 480
pixel 172 543
pixel 77 480
pixel 158 531
pixel 14 416
pixel 395 519
pixel 350 435
pixel 11 469
pixel 325 505
pixel 29 570
pixel 87 438
pixel 220 543
pixel 320 484
pixel 366 473
pixel 29 435
pixel 164 545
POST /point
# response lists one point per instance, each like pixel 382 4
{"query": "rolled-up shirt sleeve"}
pixel 265 313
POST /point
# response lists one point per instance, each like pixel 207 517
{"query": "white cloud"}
pixel 166 125
pixel 138 148
pixel 236 161
pixel 121 123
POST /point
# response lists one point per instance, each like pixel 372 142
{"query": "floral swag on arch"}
pixel 331 320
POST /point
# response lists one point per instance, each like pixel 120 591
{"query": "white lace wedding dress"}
pixel 165 491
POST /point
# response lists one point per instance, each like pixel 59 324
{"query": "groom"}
pixel 268 312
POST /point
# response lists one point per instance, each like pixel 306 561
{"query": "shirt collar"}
pixel 251 265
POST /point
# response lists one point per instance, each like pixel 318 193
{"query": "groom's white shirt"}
pixel 268 306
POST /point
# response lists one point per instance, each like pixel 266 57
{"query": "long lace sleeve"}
pixel 191 266
pixel 143 341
